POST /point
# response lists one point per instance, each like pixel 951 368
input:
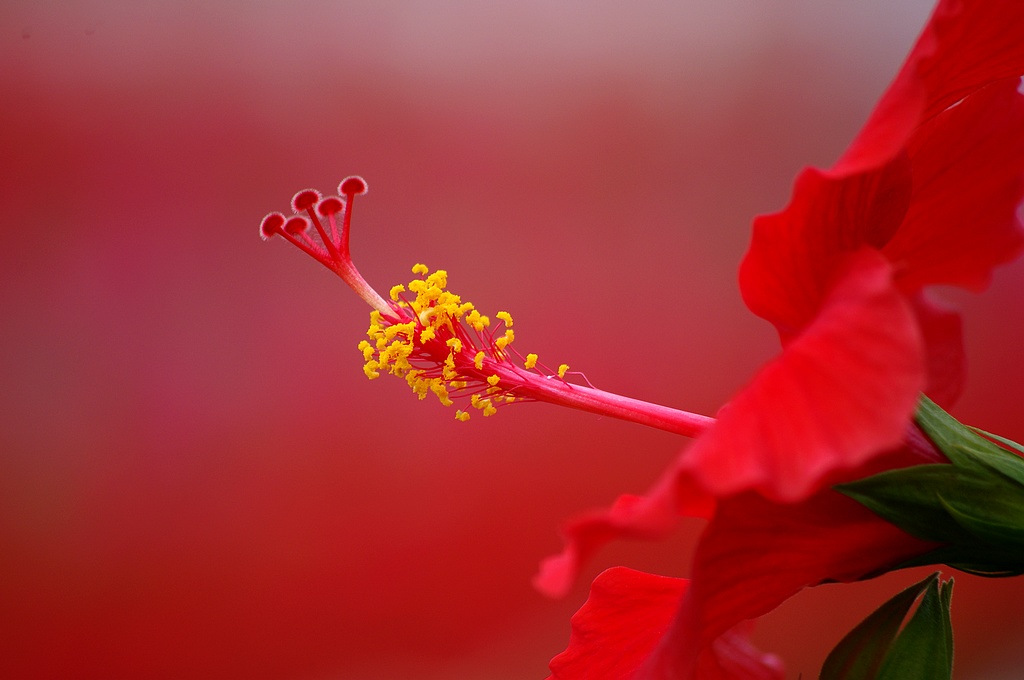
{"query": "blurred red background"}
pixel 196 479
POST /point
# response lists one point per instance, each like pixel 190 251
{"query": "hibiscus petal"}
pixel 944 349
pixel 756 554
pixel 841 392
pixel 966 45
pixel 794 253
pixel 652 516
pixel 968 172
pixel 623 620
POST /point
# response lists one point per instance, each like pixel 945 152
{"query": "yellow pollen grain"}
pixel 395 291
pixel 562 369
pixel 420 269
pixel 367 350
pixel 505 317
pixel 370 369
pixel 427 334
pixel 455 344
pixel 461 416
pixel 493 380
pixel 531 361
pixel 478 360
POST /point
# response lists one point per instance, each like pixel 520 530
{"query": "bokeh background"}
pixel 197 481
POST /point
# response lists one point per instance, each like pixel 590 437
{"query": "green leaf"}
pixel 1008 443
pixel 860 654
pixel 924 650
pixel 910 499
pixel 877 648
pixel 973 507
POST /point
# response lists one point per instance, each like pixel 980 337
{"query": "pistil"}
pixel 443 346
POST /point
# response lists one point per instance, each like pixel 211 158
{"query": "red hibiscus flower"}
pixel 926 194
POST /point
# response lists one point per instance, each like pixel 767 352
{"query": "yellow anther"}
pixel 437 387
pixel 430 314
pixel 449 372
pixel 428 294
pixel 506 339
pixel 484 405
pixel 426 315
pixel 438 279
pixel 477 320
pixel 562 369
pixel 406 329
pixel 418 384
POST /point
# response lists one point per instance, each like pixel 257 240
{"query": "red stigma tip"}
pixel 332 205
pixel 329 245
pixel 296 225
pixel 271 224
pixel 305 199
pixel 352 186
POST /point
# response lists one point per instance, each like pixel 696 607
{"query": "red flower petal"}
pixel 841 392
pixel 966 45
pixel 793 254
pixel 944 350
pixel 625 617
pixel 756 554
pixel 967 165
pixel 652 516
